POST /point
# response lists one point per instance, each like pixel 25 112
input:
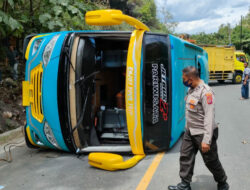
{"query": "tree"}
pixel 167 20
pixel 8 22
pixel 228 35
pixel 19 18
pixel 145 11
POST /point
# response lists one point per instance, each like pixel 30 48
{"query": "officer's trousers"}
pixel 190 146
pixel 245 90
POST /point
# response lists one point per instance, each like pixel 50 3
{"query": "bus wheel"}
pixel 221 81
pixel 28 143
pixel 237 78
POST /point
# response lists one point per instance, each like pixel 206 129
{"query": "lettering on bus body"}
pixel 162 100
pixel 163 93
pixel 155 85
pixel 130 87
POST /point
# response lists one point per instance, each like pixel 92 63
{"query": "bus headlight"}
pixel 48 50
pixel 50 136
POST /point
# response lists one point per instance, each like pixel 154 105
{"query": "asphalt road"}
pixel 45 169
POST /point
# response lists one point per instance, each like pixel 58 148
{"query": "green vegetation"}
pixel 227 35
pixel 19 18
pixel 145 11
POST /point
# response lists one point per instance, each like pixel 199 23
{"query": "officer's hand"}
pixel 244 82
pixel 205 147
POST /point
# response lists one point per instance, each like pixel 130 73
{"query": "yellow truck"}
pixel 225 63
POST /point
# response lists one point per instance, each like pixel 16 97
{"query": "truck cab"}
pixel 107 91
pixel 239 59
pixel 225 63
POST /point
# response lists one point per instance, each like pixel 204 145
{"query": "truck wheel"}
pixel 237 78
pixel 28 143
pixel 221 81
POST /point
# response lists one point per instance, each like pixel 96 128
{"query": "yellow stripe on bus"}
pixel 133 91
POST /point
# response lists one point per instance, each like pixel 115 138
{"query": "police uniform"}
pixel 200 127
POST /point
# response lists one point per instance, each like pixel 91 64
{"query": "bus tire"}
pixel 237 78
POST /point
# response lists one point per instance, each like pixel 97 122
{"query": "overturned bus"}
pixel 107 91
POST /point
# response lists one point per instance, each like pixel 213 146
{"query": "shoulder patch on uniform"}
pixel 209 98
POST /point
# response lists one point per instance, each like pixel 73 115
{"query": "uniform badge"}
pixel 209 98
pixel 192 102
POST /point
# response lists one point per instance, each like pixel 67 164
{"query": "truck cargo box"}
pixel 220 61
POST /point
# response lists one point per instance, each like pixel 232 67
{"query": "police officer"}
pixel 201 132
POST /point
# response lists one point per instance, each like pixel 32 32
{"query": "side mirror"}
pixel 112 17
pixel 111 162
pixel 103 17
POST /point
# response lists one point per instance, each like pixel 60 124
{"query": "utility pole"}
pixel 241 33
pixel 229 34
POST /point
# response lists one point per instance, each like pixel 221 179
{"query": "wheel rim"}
pixel 238 78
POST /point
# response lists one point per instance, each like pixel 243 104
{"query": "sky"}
pixel 195 16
